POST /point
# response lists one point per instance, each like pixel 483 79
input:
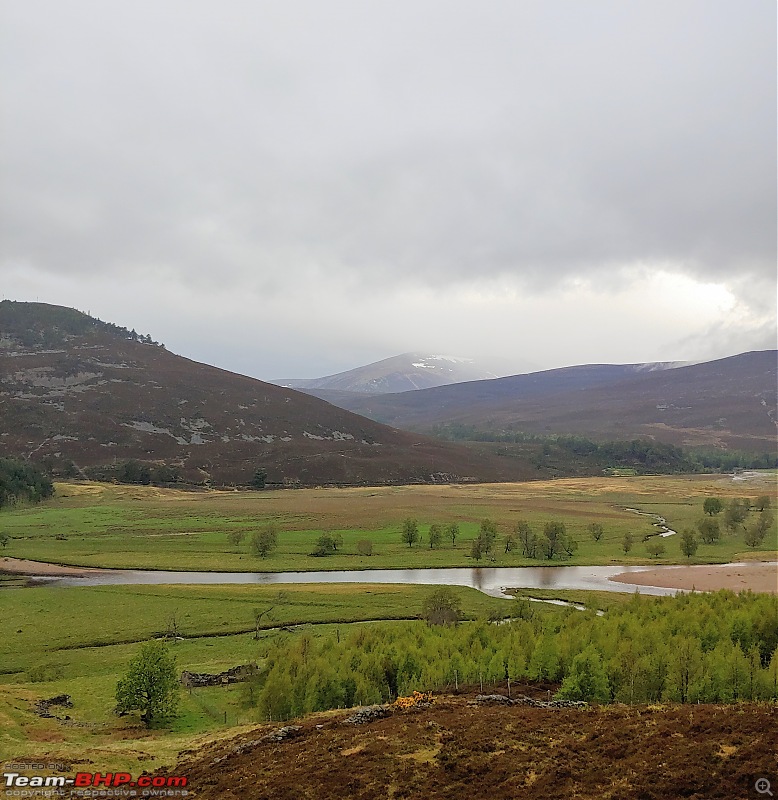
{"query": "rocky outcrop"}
pixel 523 700
pixel 368 714
pixel 233 675
pixel 43 707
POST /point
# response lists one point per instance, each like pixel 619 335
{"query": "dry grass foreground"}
pixel 457 749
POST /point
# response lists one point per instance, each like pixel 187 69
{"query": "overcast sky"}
pixel 295 188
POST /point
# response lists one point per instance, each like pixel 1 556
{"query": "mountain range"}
pixel 729 403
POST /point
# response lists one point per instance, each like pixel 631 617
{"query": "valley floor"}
pixel 143 527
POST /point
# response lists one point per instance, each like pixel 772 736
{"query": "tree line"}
pixel 643 455
pixel 40 325
pixel 141 473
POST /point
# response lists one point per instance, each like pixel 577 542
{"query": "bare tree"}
pixel 236 537
pixel 172 632
pixel 259 615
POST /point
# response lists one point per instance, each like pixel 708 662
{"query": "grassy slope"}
pixel 145 527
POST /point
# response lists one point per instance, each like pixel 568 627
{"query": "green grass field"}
pixel 79 642
pixel 143 527
pixel 59 625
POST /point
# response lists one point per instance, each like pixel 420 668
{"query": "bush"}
pixel 45 672
pixel 325 545
pixel 655 547
pixel 442 607
pixel 264 541
pixel 365 547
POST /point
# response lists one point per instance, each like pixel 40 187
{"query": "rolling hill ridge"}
pixel 79 394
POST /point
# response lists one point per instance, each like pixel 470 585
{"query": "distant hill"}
pixel 430 407
pixel 729 403
pixel 405 372
pixel 84 396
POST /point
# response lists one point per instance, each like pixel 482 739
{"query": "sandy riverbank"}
pixel 23 566
pixel 758 576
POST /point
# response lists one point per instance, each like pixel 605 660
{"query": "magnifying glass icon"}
pixel 762 786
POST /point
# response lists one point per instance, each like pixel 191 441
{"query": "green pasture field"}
pixel 104 525
pixel 45 625
pixel 79 641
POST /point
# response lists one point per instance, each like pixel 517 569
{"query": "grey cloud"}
pixel 262 143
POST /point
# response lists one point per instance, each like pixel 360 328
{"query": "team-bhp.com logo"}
pixel 122 784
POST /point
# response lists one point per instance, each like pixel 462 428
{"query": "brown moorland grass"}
pixel 377 506
pixel 457 749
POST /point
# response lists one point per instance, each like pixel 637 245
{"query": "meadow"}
pixel 104 525
pixel 79 641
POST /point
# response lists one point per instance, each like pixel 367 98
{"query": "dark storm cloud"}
pixel 263 143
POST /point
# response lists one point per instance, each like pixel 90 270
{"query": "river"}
pixel 489 580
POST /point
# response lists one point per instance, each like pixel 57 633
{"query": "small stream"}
pixel 661 522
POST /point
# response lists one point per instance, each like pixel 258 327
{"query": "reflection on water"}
pixel 490 580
